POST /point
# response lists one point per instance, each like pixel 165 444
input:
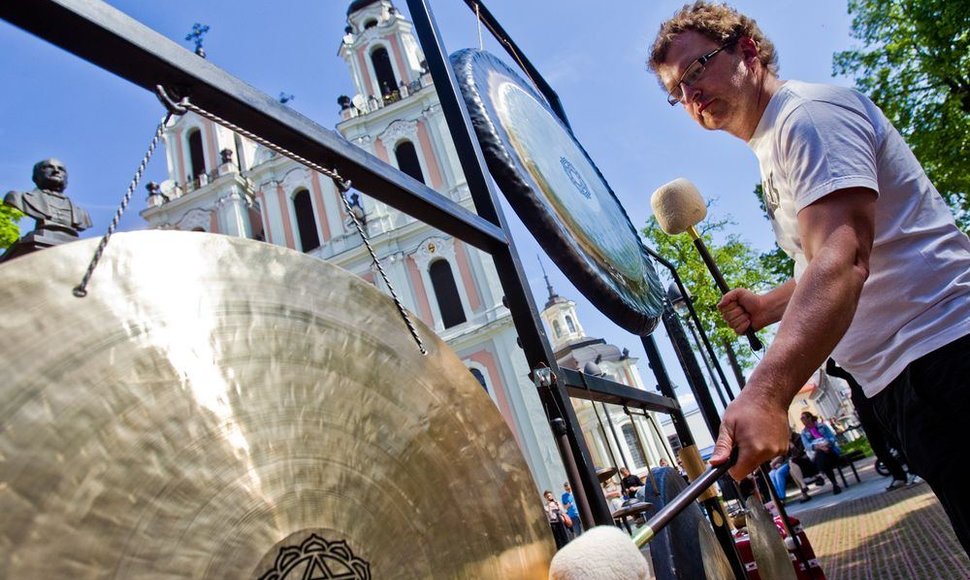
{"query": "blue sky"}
pixel 54 104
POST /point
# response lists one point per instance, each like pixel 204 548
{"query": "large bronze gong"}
pixel 559 193
pixel 222 408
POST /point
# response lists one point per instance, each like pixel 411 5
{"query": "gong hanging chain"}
pixel 343 186
pixel 81 290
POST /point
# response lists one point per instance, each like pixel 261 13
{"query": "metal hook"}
pixel 343 185
pixel 171 105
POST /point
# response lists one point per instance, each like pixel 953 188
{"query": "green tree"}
pixel 740 265
pixel 915 65
pixel 778 266
pixel 9 232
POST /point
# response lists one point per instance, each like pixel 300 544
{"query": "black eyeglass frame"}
pixel 673 100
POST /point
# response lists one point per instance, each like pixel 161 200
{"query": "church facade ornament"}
pixel 400 129
pixel 432 249
pixel 195 219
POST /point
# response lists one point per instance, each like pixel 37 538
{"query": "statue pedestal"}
pixel 38 240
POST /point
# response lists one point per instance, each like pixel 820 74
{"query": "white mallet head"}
pixel 678 206
pixel 602 552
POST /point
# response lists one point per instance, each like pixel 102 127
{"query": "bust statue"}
pixel 57 219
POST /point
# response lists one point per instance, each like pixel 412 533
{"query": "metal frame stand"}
pixel 113 41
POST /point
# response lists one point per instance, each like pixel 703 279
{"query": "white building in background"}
pixel 613 436
pixel 220 182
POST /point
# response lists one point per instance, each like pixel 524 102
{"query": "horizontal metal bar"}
pixel 117 43
pixel 582 386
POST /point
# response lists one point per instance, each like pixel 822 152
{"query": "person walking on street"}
pixel 569 503
pixel 555 515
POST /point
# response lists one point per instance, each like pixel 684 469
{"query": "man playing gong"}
pixel 882 274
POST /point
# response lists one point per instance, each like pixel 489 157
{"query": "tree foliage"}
pixel 740 265
pixel 9 231
pixel 916 66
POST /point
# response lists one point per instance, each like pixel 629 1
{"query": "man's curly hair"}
pixel 719 22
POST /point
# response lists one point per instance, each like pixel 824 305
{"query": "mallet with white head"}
pixel 678 207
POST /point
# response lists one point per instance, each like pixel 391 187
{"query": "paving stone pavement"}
pixel 869 533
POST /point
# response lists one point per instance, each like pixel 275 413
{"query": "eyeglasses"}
pixel 694 73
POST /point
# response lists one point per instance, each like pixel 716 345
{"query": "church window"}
pixel 370 24
pixel 305 222
pixel 633 444
pixel 196 156
pixel 407 160
pixel 386 81
pixel 446 292
pixel 480 378
pixel 557 328
pixel 570 324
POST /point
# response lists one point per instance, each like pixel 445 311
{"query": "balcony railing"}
pixel 374 103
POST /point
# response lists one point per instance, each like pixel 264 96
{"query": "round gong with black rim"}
pixel 558 192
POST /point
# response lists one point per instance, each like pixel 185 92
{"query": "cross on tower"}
pixel 196 36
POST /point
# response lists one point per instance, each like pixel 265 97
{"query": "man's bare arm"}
pixel 837 233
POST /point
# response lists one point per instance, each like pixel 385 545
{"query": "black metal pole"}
pixel 707 363
pixel 562 441
pixel 616 438
pixel 511 275
pixel 692 312
pixel 657 432
pixel 716 513
pixel 692 370
pixel 733 361
pixel 640 442
pixel 606 437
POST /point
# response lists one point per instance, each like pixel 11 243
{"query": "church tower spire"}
pixel 560 317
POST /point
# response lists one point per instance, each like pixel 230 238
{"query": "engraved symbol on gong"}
pixel 575 178
pixel 318 559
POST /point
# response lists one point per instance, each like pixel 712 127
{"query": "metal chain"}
pixel 342 185
pixel 397 301
pixel 81 290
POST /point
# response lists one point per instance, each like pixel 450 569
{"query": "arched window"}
pixel 570 324
pixel 446 292
pixel 370 24
pixel 633 444
pixel 384 71
pixel 480 378
pixel 557 328
pixel 407 160
pixel 305 222
pixel 196 156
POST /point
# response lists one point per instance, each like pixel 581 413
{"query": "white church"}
pixel 220 182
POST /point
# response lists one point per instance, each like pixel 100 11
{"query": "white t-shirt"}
pixel 816 139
